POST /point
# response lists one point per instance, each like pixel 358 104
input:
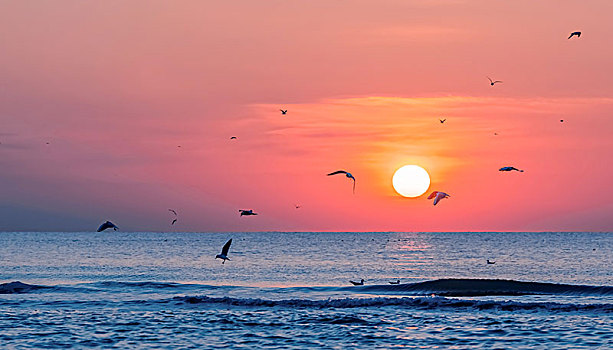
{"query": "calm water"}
pixel 291 290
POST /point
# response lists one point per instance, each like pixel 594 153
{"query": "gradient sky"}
pixel 115 87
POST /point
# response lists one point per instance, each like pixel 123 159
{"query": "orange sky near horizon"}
pixel 115 87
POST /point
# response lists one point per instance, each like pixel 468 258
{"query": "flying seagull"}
pixel 233 138
pixel 442 120
pixel 106 225
pixel 490 262
pixel 492 82
pixel 397 282
pixel 346 174
pixel 361 283
pixel 437 195
pixel 247 212
pixel 283 111
pixel 176 216
pixel 510 168
pixel 224 252
pixel 578 34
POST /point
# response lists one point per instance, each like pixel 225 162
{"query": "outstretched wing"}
pixel 172 211
pixel 438 197
pixel 433 194
pixel 226 247
pixel 488 78
pixel 173 221
pixel 338 172
pixel 102 227
pixel 353 178
pixel 497 81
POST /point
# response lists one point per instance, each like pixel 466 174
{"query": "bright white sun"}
pixel 411 181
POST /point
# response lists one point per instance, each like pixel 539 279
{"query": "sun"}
pixel 411 181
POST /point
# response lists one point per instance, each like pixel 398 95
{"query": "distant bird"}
pixel 346 174
pixel 578 34
pixel 492 82
pixel 437 195
pixel 298 206
pixel 247 212
pixel 561 120
pixel 106 225
pixel 490 262
pixel 224 252
pixel 176 216
pixel 442 120
pixel 233 138
pixel 361 283
pixel 284 112
pixel 510 168
pixel 496 133
pixel 397 282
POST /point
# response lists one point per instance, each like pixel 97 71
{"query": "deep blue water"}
pixel 291 290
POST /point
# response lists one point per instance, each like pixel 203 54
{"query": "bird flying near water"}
pixel 442 120
pixel 176 216
pixel 346 174
pixel 361 283
pixel 492 82
pixel 577 34
pixel 224 252
pixel 437 195
pixel 283 111
pixel 107 225
pixel 510 168
pixel 247 212
pixel 396 282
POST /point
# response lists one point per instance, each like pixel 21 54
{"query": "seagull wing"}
pixel 102 227
pixel 226 248
pixel 338 172
pixel 172 211
pixel 173 221
pixel 488 78
pixel 433 194
pixel 497 81
pixel 438 197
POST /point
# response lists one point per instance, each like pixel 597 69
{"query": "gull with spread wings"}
pixel 346 174
pixel 224 252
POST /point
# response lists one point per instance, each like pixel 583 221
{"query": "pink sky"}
pixel 116 86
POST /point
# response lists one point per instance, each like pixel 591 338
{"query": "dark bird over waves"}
pixel 107 225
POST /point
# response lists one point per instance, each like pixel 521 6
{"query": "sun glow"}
pixel 411 181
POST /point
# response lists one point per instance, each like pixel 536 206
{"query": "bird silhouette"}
pixel 492 82
pixel 224 252
pixel 107 225
pixel 233 138
pixel 176 216
pixel 510 168
pixel 346 174
pixel 361 283
pixel 490 262
pixel 578 34
pixel 437 195
pixel 284 112
pixel 397 282
pixel 247 212
pixel 442 120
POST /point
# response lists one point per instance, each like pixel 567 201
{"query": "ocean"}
pixel 286 290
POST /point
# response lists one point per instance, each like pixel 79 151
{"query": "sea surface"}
pixel 547 290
